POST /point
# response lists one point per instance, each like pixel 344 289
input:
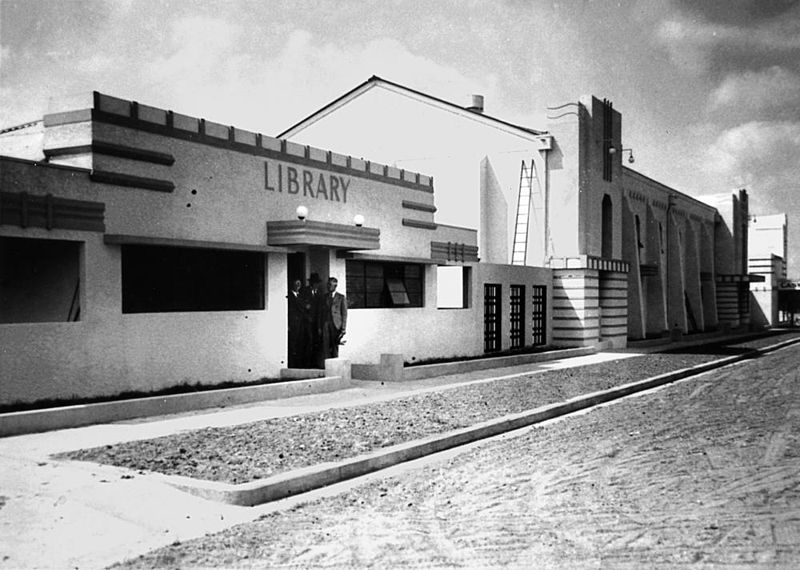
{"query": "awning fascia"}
pixel 296 233
pixel 387 258
pixel 125 239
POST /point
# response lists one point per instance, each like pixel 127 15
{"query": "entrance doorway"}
pixel 296 268
pixel 297 334
pixel 303 341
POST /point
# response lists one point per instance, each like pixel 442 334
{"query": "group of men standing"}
pixel 317 322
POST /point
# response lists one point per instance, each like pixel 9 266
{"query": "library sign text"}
pixel 293 180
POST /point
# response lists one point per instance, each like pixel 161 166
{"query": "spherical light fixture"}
pixel 302 212
pixel 358 220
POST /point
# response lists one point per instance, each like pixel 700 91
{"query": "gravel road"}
pixel 704 473
pixel 257 450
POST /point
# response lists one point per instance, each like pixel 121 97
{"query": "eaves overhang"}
pixel 297 233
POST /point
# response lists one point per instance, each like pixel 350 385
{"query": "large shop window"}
pixel 39 280
pixel 452 287
pixel 170 279
pixel 374 285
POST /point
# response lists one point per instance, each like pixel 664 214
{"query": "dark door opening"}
pixel 297 336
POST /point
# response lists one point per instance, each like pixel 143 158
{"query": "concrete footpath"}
pixel 56 514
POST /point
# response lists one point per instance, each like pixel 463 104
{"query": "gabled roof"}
pixel 376 81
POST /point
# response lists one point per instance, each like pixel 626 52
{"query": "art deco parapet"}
pixel 131 114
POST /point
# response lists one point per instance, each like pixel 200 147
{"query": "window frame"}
pixel 395 279
pixel 191 267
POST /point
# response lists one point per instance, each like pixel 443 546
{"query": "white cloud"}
pixel 763 156
pixel 770 88
pixel 692 43
pixel 210 71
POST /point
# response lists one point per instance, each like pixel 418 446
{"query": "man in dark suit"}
pixel 333 320
pixel 311 297
pixel 298 327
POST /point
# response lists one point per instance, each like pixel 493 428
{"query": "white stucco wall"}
pixel 454 147
pixel 107 352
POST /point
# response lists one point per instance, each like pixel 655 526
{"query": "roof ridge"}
pixel 20 126
pixel 376 80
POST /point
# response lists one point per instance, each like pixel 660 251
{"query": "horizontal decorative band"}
pixel 617 335
pixel 613 287
pixel 587 329
pixel 411 223
pixel 409 205
pixel 451 251
pixel 648 270
pixel 28 210
pixel 560 287
pixel 118 179
pixel 117 150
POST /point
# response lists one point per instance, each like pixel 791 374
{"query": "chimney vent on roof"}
pixel 477 104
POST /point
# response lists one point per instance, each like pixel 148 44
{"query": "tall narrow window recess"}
pixel 607 231
pixel 491 317
pixel 39 280
pixel 608 141
pixel 539 315
pixel 517 316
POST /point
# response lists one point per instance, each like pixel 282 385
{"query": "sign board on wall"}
pixel 279 177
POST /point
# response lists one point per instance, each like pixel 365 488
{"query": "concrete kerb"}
pixel 337 376
pixel 309 478
pixel 391 369
pixel 32 421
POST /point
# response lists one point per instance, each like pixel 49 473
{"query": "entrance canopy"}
pixel 326 234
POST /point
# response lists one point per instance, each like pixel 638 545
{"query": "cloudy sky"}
pixel 709 89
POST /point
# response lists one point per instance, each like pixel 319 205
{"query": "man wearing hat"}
pixel 312 301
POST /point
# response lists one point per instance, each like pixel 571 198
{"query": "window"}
pixel 452 287
pixel 607 229
pixel 539 315
pixel 491 317
pixel 517 316
pixel 375 284
pixel 639 243
pixel 170 279
pixel 39 280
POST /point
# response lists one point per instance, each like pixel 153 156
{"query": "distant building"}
pixel 141 248
pixel 768 248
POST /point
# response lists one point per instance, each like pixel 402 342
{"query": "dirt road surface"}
pixel 703 473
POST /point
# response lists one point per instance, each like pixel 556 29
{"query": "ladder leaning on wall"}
pixel 527 173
